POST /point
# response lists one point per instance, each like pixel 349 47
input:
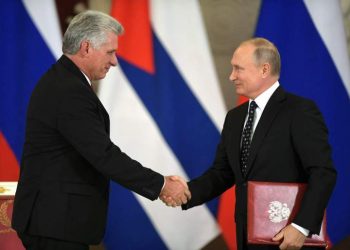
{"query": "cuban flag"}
pixel 315 64
pixel 30 43
pixel 165 105
pixel 166 111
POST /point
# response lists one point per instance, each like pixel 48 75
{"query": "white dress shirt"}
pixel 261 101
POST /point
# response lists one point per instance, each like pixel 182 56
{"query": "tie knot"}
pixel 252 106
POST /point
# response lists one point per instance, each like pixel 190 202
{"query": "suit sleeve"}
pixel 216 179
pixel 82 124
pixel 310 140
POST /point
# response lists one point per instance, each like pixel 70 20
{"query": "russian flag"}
pixel 166 111
pixel 30 42
pixel 311 40
pixel 166 107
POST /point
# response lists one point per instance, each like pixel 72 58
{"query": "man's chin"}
pixel 100 77
pixel 239 91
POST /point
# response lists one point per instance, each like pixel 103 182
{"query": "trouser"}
pixel 31 242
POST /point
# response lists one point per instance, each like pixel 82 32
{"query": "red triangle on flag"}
pixel 136 44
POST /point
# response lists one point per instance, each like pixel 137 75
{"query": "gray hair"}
pixel 266 52
pixel 92 26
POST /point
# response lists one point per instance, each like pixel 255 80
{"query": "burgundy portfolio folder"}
pixel 272 206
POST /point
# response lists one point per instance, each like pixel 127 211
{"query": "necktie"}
pixel 247 131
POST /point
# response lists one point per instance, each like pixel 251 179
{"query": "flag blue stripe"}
pixel 182 121
pixel 308 70
pixel 128 225
pixel 25 57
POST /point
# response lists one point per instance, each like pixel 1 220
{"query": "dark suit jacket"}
pixel 68 160
pixel 290 144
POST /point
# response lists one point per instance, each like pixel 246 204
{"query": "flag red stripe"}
pixel 9 167
pixel 226 217
pixel 135 45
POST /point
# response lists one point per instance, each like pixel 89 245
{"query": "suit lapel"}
pixel 271 110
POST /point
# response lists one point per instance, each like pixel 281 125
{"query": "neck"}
pixel 79 62
pixel 268 83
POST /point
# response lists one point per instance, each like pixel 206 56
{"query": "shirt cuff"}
pixel 304 231
pixel 163 186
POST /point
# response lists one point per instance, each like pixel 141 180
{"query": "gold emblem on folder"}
pixel 4 219
pixel 3 190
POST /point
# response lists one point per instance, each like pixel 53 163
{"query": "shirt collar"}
pixel 264 97
pixel 87 78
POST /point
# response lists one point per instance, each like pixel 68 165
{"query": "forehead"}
pixel 243 54
pixel 111 41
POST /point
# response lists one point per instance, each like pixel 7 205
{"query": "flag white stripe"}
pixel 40 12
pixel 325 15
pixel 137 134
pixel 180 28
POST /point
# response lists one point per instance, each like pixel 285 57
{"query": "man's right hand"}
pixel 290 238
pixel 175 191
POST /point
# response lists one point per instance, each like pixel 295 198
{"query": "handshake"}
pixel 175 191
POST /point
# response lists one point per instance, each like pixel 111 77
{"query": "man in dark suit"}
pixel 68 157
pixel 283 140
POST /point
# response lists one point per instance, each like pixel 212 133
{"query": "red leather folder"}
pixel 271 207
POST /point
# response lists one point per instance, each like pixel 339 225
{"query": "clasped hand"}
pixel 290 238
pixel 175 191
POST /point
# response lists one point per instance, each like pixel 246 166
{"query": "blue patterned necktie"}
pixel 247 131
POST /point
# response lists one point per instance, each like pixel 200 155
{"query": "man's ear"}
pixel 84 48
pixel 266 70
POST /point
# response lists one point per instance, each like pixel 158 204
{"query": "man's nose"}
pixel 233 76
pixel 114 60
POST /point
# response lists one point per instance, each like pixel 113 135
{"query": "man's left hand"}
pixel 292 238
